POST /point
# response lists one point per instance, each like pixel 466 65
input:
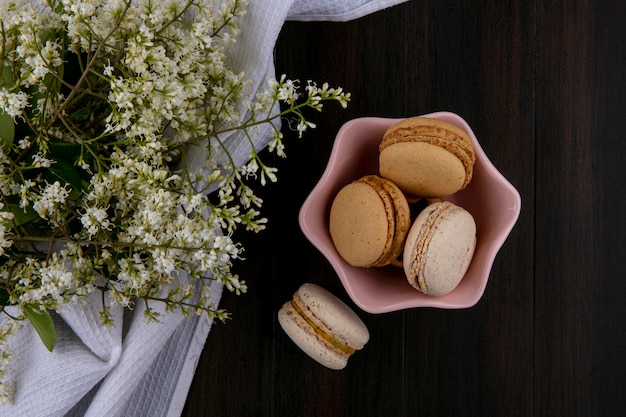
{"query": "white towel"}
pixel 135 368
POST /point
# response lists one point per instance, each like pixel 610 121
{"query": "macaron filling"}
pixel 325 334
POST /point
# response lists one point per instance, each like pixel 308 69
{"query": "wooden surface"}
pixel 542 85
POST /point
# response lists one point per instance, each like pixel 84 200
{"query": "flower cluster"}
pixel 102 104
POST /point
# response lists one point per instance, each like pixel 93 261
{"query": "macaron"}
pixel 427 157
pixel 323 326
pixel 439 248
pixel 368 223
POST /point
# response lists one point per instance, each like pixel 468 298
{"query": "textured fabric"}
pixel 339 11
pixel 135 368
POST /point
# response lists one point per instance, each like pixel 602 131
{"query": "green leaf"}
pixel 7 75
pixel 67 173
pixel 64 150
pixel 81 114
pixel 43 325
pixel 21 215
pixel 7 130
pixel 72 152
pixel 4 297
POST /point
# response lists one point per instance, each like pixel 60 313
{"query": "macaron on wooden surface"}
pixel 323 326
pixel 439 248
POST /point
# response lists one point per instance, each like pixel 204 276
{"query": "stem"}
pixel 90 64
pixel 249 123
pixel 3 46
pixel 11 316
pixel 236 7
pixel 63 239
pixel 176 18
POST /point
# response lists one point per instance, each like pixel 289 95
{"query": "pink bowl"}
pixel 490 198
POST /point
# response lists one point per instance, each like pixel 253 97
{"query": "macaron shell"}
pixel 435 131
pixel 369 220
pixel 358 224
pixel 398 217
pixel 422 169
pixel 416 246
pixel 403 221
pixel 335 315
pixel 406 159
pixel 439 248
pixel 305 338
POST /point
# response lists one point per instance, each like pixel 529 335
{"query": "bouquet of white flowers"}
pixel 102 102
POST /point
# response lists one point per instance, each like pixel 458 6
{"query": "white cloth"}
pixel 135 368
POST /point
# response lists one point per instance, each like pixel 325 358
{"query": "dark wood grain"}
pixel 579 286
pixel 542 85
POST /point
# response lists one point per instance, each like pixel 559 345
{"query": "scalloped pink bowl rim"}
pixel 490 198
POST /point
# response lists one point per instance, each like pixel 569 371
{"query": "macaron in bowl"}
pixel 492 201
pixel 439 248
pixel 369 221
pixel 427 157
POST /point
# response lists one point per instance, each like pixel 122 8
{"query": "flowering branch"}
pixel 101 104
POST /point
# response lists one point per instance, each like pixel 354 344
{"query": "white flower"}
pixel 95 219
pixel 5 241
pixel 52 197
pixel 303 126
pixel 270 173
pixel 13 103
pixel 287 91
pixel 164 262
pixel 40 161
pixel 24 143
pixel 108 70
